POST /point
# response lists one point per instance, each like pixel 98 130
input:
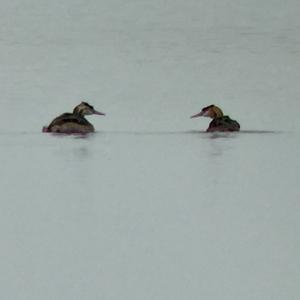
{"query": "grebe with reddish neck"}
pixel 219 121
pixel 74 122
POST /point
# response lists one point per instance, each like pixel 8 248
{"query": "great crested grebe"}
pixel 74 122
pixel 219 122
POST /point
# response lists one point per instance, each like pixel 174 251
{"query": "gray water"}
pixel 150 206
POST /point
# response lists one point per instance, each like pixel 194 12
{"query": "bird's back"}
pixel 69 122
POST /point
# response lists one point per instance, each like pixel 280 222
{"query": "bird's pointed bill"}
pixel 200 114
pixel 99 113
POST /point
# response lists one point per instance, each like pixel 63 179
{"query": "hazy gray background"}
pixel 147 207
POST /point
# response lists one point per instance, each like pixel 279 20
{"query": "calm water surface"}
pixel 147 209
pixel 150 215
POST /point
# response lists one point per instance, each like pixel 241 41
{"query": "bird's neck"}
pixel 78 112
pixel 217 112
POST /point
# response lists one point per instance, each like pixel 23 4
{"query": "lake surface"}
pixel 150 206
